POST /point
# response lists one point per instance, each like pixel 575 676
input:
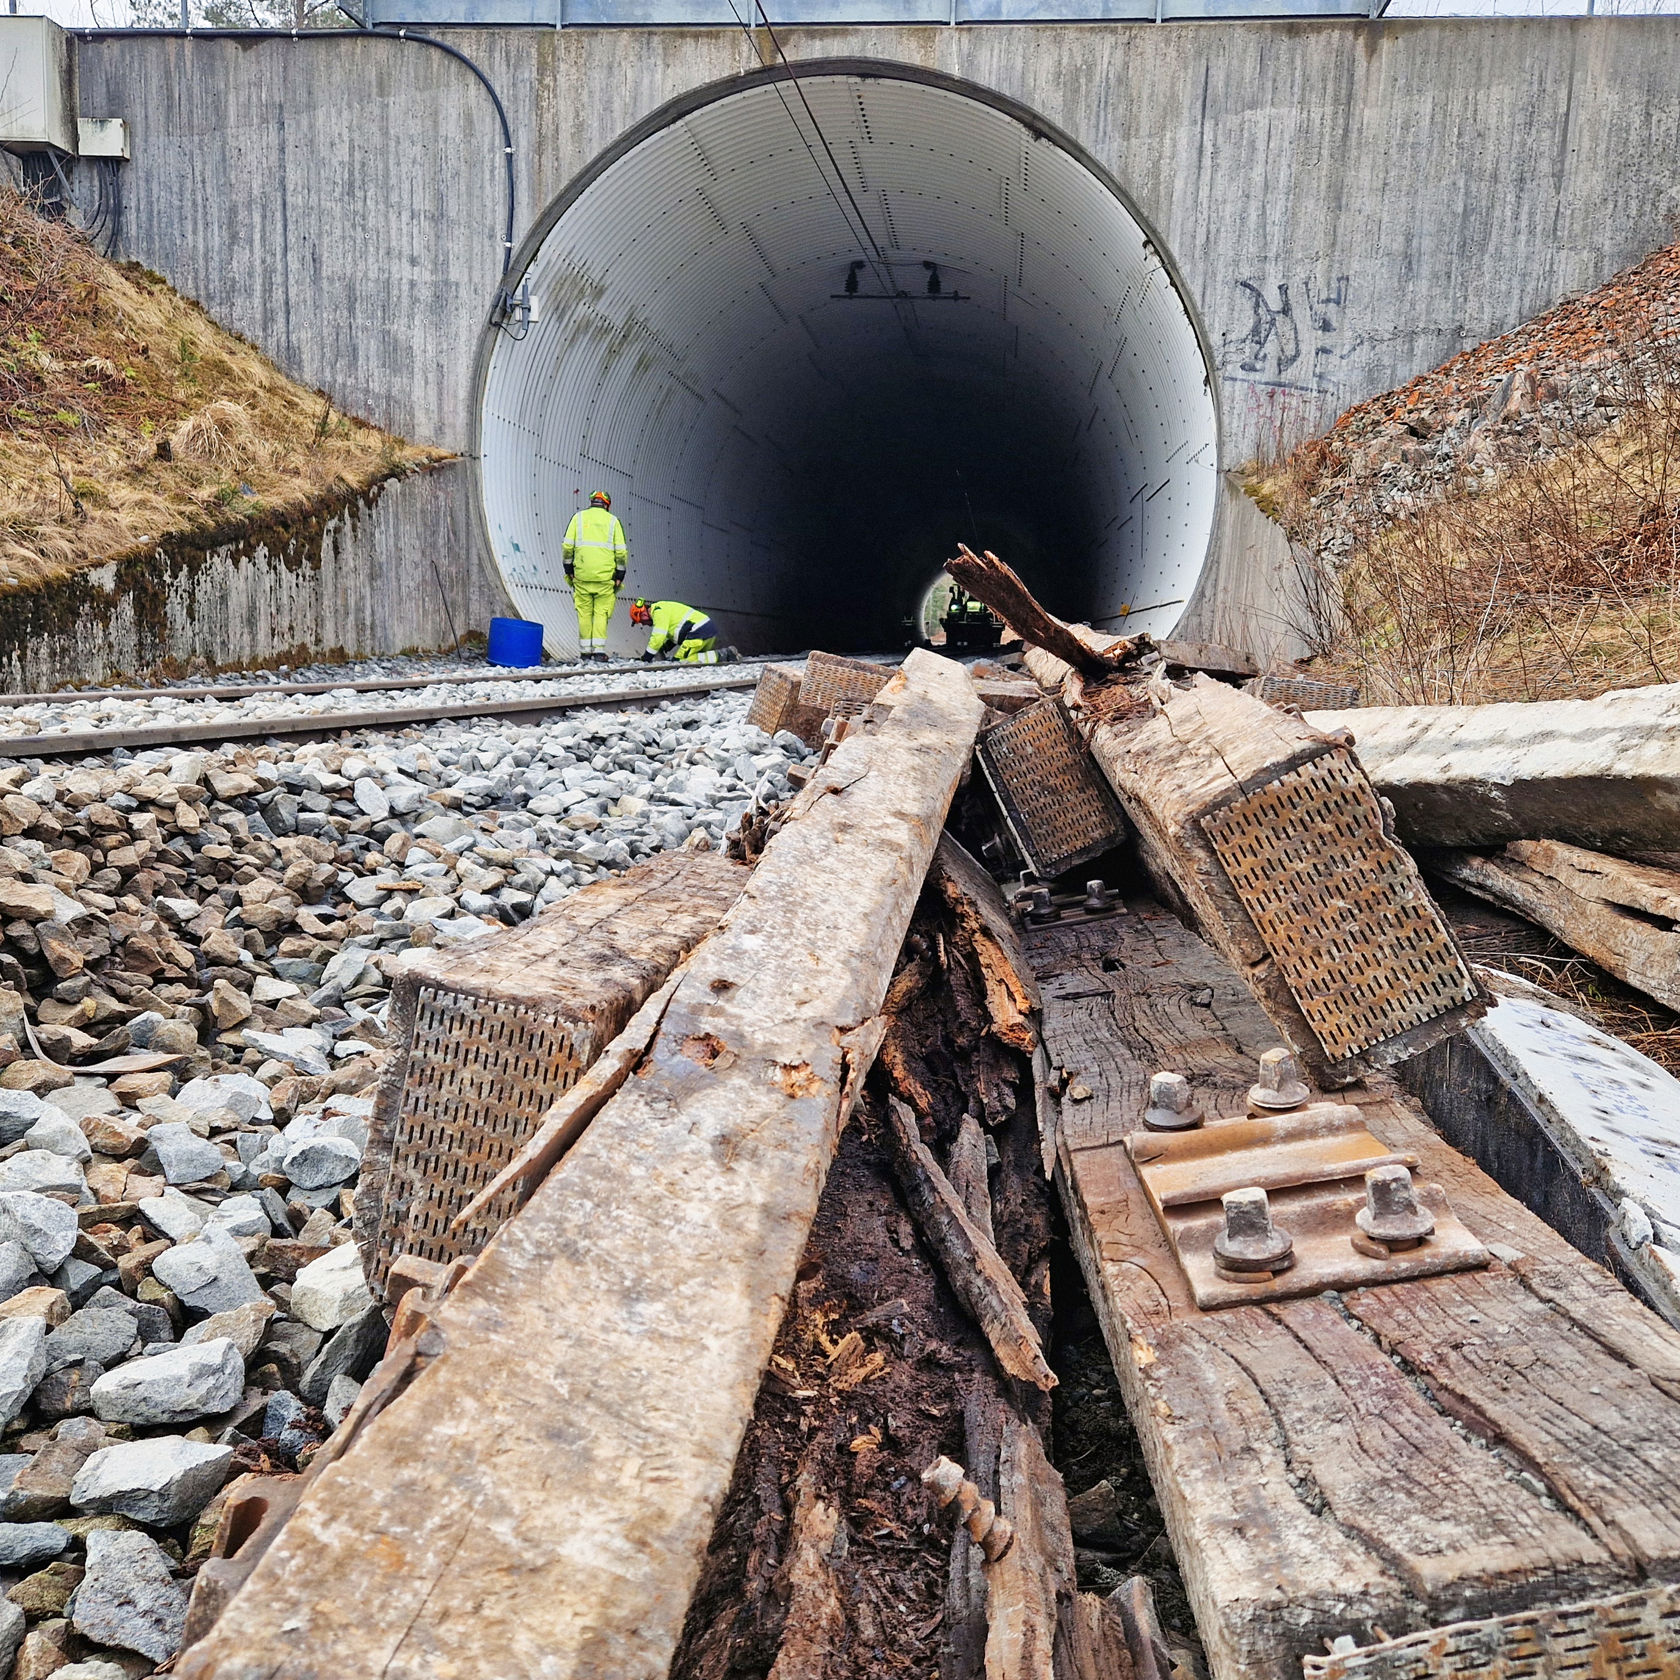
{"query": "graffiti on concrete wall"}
pixel 1296 337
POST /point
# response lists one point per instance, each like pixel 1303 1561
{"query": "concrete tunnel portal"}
pixel 810 335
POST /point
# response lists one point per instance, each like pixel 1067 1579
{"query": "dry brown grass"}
pixel 1559 581
pixel 133 417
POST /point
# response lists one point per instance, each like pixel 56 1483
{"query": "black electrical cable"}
pixel 878 261
pixel 484 81
pixel 362 31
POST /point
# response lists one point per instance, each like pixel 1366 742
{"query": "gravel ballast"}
pixel 195 971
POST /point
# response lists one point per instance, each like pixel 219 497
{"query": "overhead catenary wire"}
pixel 874 255
pixel 360 31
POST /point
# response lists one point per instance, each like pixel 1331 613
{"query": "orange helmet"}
pixel 600 499
pixel 639 613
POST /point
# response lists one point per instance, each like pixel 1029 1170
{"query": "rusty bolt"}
pixel 1280 1084
pixel 1099 899
pixel 1392 1213
pixel 994 1535
pixel 1040 907
pixel 1170 1106
pixel 1250 1241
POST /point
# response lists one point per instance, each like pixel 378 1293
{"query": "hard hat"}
pixel 600 499
pixel 639 610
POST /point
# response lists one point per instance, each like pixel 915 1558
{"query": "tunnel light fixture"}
pixel 934 293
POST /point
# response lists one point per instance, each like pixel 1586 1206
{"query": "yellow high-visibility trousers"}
pixel 697 650
pixel 595 602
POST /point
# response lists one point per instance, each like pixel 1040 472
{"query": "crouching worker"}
pixel 681 633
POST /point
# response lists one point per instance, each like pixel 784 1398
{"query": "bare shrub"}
pixel 1543 577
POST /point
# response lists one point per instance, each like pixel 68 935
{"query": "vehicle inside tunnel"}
pixel 810 334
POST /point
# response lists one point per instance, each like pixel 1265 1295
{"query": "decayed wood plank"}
pixel 1599 1432
pixel 965 1166
pixel 1576 1124
pixel 816 1611
pixel 1424 1499
pixel 565 1122
pixel 1092 1642
pixel 1210 746
pixel 1622 915
pixel 1309 1486
pixel 988 579
pixel 539 1500
pixel 1011 992
pixel 973 1268
pixel 617 938
pixel 588 962
pixel 1354 978
pixel 1032 1585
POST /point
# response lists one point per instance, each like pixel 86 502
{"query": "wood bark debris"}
pixel 620 1335
pixel 1134 1602
pixel 988 579
pixel 1313 1485
pixel 1624 916
pixel 972 1267
pixel 1011 991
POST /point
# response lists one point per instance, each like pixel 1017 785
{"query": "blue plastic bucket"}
pixel 516 642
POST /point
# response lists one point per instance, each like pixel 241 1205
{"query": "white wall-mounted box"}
pixel 37 86
pixel 102 137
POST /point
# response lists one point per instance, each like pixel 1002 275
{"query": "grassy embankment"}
pixel 132 418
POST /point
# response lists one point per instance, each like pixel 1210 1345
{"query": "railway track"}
pixel 107 738
pixel 367 685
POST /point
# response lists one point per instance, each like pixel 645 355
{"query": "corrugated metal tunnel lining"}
pixel 799 458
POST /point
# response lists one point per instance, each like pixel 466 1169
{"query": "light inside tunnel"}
pixel 809 338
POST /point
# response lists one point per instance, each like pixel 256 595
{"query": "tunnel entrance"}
pixel 810 335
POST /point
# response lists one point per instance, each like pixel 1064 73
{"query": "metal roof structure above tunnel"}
pixel 811 333
pixel 567 14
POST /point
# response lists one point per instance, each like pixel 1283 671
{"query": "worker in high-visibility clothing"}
pixel 595 556
pixel 680 632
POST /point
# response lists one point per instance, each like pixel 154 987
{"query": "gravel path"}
pixel 180 1299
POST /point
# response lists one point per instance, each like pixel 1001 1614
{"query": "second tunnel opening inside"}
pixel 811 336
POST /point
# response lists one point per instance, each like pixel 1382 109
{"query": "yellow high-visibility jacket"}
pixel 674 624
pixel 594 547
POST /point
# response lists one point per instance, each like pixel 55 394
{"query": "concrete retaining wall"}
pixel 373 573
pixel 1349 203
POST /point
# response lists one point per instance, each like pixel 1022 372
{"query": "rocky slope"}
pixel 1504 526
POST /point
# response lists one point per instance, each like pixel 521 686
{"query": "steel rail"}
pixel 365 685
pixel 332 723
